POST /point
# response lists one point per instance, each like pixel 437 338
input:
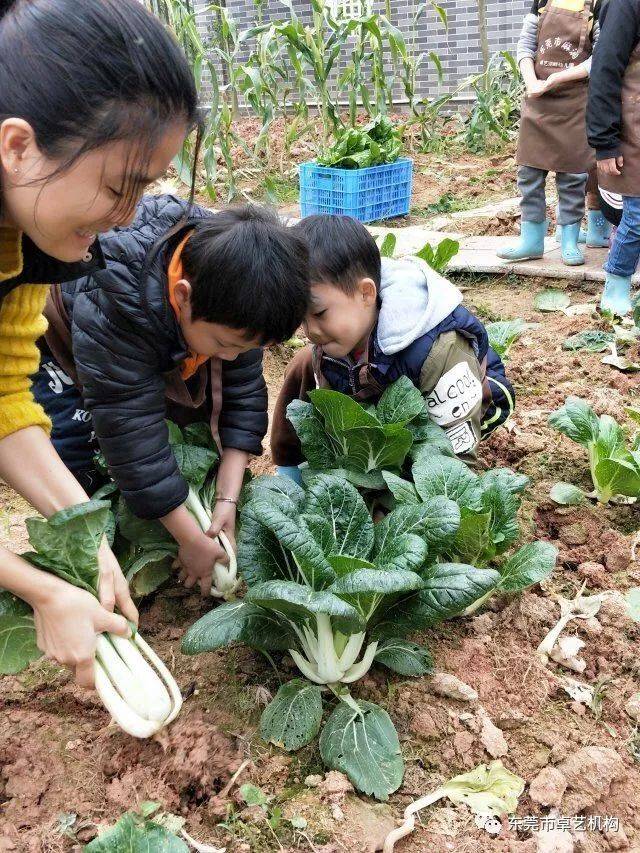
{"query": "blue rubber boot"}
pixel 571 255
pixel 290 471
pixel 558 235
pixel 581 239
pixel 598 230
pixel 531 245
pixel 616 296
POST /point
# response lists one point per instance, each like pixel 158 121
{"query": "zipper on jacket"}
pixel 344 366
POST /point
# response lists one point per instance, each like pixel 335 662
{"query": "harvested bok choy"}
pixel 225 579
pixel 133 683
pixel 145 549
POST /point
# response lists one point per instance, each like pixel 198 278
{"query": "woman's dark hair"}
pixel 84 73
pixel 341 251
pixel 249 271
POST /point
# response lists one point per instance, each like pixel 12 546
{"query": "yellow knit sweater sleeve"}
pixel 21 324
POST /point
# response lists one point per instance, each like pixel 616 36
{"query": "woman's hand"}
pixel 554 81
pixel 224 518
pixel 68 620
pixel 113 589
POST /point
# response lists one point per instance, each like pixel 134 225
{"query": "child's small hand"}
pixel 536 88
pixel 197 558
pixel 612 166
pixel 224 518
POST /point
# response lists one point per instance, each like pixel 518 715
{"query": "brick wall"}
pixel 459 48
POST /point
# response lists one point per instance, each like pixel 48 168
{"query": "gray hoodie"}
pixel 414 299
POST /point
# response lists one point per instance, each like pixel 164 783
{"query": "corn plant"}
pixel 313 50
pixel 219 138
pixel 496 111
pixel 425 112
pixel 260 81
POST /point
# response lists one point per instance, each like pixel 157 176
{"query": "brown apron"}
pixel 553 130
pixel 628 183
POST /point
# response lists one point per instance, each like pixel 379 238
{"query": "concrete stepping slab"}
pixel 478 255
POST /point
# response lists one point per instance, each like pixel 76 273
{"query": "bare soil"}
pixel 58 753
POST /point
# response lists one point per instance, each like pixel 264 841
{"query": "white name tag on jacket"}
pixel 457 393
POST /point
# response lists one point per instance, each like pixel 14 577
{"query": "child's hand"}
pixel 536 88
pixel 67 623
pixel 113 589
pixel 612 166
pixel 224 518
pixel 197 558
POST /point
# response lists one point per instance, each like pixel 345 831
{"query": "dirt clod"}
pixel 594 573
pixel 617 839
pixel 554 841
pixel 632 707
pixel 335 784
pixel 614 610
pixel 589 773
pixel 574 534
pixel 445 684
pixel 492 738
pixel 548 787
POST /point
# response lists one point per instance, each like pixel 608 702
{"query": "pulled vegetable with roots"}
pixel 140 698
pixel 488 790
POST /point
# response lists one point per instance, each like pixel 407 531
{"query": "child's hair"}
pixel 341 251
pixel 249 271
pixel 87 73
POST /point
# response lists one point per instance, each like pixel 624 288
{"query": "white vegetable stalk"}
pixel 225 580
pixel 321 663
pixel 409 819
pixel 141 699
pixel 581 607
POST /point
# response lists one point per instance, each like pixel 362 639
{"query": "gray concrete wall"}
pixel 458 48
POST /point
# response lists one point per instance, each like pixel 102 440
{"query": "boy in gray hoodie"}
pixel 373 320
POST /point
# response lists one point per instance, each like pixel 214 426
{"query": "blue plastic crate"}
pixel 378 192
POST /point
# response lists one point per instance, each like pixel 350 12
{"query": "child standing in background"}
pixel 554 55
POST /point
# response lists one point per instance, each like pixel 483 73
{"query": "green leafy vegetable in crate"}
pixel 376 143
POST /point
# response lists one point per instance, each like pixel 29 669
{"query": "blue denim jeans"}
pixel 625 251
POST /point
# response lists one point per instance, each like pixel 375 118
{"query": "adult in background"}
pixel 95 101
pixel 613 126
pixel 554 55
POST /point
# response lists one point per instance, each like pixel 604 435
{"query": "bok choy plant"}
pixel 337 433
pixel 489 525
pixel 133 683
pixel 614 467
pixel 146 550
pixel 340 594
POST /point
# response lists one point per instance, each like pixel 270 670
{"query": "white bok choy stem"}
pixel 225 580
pixel 141 700
pixel 409 819
pixel 320 662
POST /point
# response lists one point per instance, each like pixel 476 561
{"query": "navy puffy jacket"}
pixel 125 338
